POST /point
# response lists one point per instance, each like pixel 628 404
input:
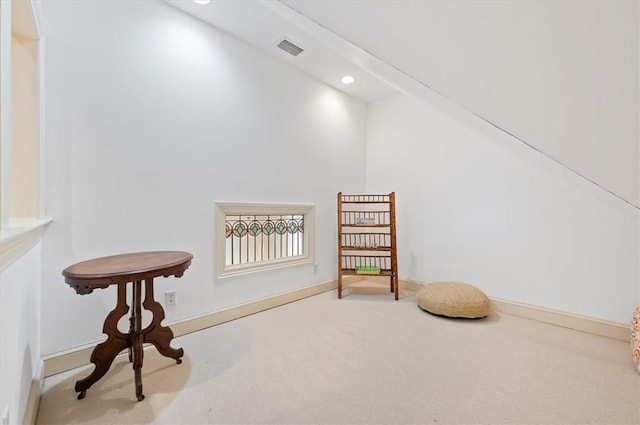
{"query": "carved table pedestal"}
pixel 120 270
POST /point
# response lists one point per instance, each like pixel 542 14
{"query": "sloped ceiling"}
pixel 262 28
pixel 561 76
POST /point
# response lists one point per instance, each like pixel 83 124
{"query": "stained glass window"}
pixel 262 236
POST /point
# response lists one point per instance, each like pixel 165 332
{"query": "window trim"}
pixel 234 208
pixel 20 232
pixel 18 238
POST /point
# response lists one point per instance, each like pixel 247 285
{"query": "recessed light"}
pixel 347 79
pixel 202 1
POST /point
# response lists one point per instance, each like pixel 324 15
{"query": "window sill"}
pixel 262 266
pixel 18 237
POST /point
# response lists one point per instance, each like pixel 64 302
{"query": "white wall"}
pixel 560 75
pixel 152 117
pixel 20 334
pixel 477 208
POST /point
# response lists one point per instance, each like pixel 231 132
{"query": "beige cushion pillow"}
pixel 453 299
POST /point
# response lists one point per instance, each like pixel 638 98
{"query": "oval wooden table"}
pixel 119 270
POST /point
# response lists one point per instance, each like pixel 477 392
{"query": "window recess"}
pixel 258 237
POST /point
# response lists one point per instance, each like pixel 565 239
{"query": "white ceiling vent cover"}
pixel 289 47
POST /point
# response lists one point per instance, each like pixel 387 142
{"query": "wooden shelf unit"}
pixel 367 237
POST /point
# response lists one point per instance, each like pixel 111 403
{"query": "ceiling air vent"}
pixel 290 48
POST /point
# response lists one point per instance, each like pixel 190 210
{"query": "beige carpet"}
pixel 365 359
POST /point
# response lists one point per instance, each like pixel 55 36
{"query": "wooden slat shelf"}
pixel 365 202
pixel 366 225
pixel 363 248
pixel 376 213
pixel 353 272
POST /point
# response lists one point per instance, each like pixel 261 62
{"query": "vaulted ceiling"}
pixel 560 76
pixel 263 28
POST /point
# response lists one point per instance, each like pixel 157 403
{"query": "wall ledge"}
pixel 18 237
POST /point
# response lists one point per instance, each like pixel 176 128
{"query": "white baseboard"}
pixel 577 322
pixel 207 320
pixel 411 285
pixel 591 325
pixel 33 402
pixel 68 359
pixel 80 356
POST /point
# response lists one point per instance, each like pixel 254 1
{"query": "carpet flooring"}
pixel 365 359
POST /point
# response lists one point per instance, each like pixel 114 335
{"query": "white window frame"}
pixel 21 222
pixel 227 208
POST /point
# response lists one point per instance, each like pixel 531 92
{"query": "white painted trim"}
pixel 235 208
pixel 411 285
pixel 79 356
pixel 576 322
pixel 215 318
pixel 566 320
pixel 20 236
pixel 68 359
pixel 33 402
pixel 29 8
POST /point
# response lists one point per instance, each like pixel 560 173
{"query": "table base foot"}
pixel 158 335
pixel 121 270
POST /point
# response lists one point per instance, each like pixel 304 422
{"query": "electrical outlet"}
pixel 170 298
pixel 5 416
